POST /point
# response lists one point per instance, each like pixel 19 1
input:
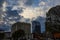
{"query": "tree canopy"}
pixel 53 19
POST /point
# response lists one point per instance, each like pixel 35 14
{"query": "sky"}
pixel 34 8
pixel 31 9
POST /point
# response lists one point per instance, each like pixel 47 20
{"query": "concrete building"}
pixel 21 25
pixel 26 27
pixel 5 35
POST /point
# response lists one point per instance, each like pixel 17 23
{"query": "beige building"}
pixel 26 27
pixel 21 25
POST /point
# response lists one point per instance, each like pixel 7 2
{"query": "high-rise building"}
pixel 36 27
pixel 53 23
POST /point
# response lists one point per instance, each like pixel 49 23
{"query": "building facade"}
pixel 36 27
pixel 23 27
pixel 7 36
pixel 36 30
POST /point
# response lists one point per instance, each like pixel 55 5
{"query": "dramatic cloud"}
pixel 29 2
pixel 1 2
pixel 4 6
pixel 1 10
pixel 32 12
pixel 33 8
pixel 30 9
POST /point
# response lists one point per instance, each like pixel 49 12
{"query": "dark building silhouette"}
pixel 42 23
pixel 7 36
pixel 2 34
pixel 36 30
pixel 36 27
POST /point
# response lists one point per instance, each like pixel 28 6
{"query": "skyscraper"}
pixel 21 27
pixel 36 27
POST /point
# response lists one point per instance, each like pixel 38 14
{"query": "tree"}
pixel 18 34
pixel 53 19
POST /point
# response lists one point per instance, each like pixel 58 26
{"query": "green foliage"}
pixel 53 25
pixel 18 34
